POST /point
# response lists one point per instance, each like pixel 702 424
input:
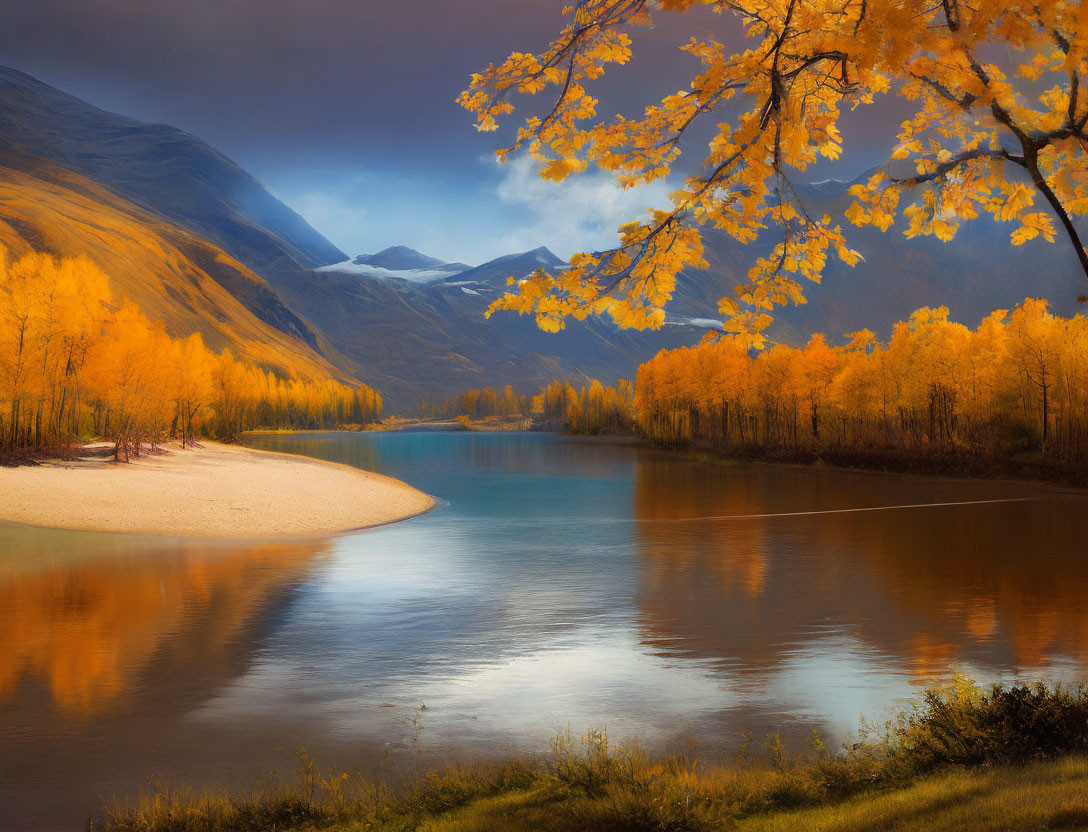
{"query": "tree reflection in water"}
pixel 998 585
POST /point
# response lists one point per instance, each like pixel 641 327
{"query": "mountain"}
pixel 494 273
pixel 416 341
pixel 399 258
pixel 162 170
pixel 190 284
pixel 200 243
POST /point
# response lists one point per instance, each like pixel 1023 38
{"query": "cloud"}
pixel 580 214
pixel 502 210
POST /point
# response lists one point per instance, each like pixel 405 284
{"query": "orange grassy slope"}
pixel 191 285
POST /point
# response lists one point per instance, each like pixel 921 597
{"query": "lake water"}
pixel 562 583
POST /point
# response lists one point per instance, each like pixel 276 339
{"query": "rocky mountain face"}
pixel 424 340
pixel 162 169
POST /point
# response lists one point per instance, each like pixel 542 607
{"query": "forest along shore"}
pixel 214 491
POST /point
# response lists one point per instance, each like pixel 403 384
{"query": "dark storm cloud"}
pixel 346 101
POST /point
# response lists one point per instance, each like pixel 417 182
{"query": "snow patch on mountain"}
pixel 411 275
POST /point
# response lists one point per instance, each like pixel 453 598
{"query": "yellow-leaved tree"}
pixel 1000 109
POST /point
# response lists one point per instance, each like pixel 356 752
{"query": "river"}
pixel 562 584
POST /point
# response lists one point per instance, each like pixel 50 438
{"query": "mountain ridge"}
pixel 399 258
pixel 152 164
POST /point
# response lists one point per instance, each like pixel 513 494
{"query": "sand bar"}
pixel 216 490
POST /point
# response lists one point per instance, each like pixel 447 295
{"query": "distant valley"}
pixel 201 244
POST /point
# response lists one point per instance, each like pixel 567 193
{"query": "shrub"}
pixel 965 725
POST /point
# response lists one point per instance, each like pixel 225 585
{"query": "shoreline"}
pixel 966 467
pixel 213 491
pixel 1019 772
pixel 963 467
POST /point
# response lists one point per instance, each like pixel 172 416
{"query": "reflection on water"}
pixel 564 583
pixel 998 585
pixel 84 629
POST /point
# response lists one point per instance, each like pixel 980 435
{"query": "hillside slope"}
pixel 163 170
pixel 191 285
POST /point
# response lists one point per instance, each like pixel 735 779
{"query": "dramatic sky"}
pixel 345 108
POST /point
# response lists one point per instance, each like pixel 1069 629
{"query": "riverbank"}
pixel 212 491
pixel 932 462
pixel 964 758
pixel 514 798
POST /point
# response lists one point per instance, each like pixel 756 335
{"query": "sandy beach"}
pixel 215 491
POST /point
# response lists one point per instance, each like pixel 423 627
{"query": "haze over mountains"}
pixel 403 263
pixel 398 262
pixel 198 242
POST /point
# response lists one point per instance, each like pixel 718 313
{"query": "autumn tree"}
pixel 127 376
pixel 986 135
pixel 1036 346
pixel 75 360
pixel 51 312
pixel 936 384
pixel 190 377
pixel 21 298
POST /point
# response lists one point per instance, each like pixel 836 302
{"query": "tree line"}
pixel 481 403
pixel 589 409
pixel 76 362
pixel 1016 383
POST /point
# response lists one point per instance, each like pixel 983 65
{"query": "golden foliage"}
pixel 588 410
pixel 75 361
pixel 978 140
pixel 169 274
pixel 483 403
pixel 1018 382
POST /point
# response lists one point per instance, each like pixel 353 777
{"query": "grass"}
pixel 962 758
pixel 1052 795
pixel 1040 797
